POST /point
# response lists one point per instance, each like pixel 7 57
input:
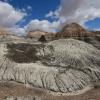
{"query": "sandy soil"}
pixel 18 90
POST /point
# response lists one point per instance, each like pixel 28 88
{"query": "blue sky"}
pixel 38 10
pixel 93 24
pixel 20 16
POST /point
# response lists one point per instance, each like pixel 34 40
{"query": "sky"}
pixel 22 16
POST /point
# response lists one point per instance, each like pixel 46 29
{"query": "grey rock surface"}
pixel 64 65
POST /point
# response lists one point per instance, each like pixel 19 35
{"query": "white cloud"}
pixel 79 11
pixel 96 29
pixel 43 25
pixel 9 16
pixel 5 0
pixel 29 7
pixel 50 14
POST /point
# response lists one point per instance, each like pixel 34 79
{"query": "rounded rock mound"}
pixel 65 65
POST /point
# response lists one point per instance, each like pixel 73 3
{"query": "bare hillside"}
pixel 61 66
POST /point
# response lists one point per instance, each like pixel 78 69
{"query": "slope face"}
pixel 66 51
pixel 63 66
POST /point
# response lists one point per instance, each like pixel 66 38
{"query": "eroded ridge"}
pixel 64 65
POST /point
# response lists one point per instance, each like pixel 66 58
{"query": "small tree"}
pixel 42 39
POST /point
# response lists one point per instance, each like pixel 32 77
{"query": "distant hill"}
pixel 6 36
pixel 74 30
pixel 37 34
pixel 3 32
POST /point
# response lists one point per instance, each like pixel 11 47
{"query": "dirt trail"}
pixel 8 90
